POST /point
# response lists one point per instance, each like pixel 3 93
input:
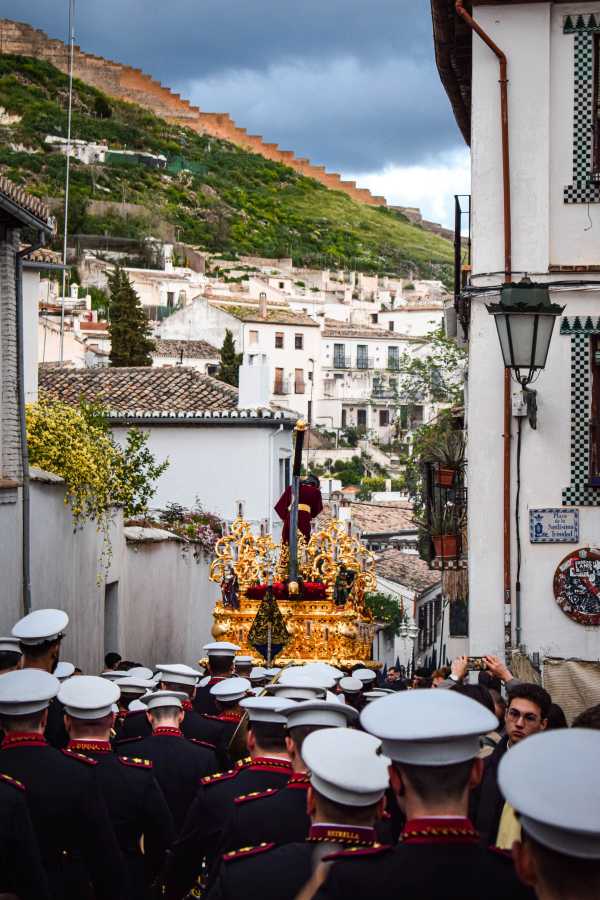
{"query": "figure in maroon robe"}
pixel 309 506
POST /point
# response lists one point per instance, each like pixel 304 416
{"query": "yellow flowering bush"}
pixel 75 443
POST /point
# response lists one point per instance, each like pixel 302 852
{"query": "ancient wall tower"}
pixel 127 83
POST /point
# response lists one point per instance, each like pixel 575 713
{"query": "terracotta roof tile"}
pixel 19 196
pixel 406 569
pixel 377 518
pixel 333 328
pixel 191 349
pixel 275 316
pixel 151 390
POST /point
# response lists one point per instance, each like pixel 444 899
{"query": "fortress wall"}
pixel 133 85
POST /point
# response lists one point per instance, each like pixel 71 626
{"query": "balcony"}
pixel 383 393
pixel 393 365
pixel 299 387
pixel 364 362
pixel 282 387
pixel 342 362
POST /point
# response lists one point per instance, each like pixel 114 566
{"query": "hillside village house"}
pixel 225 457
pixel 553 55
pixel 198 355
pixel 289 339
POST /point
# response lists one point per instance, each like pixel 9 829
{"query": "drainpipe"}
pixel 503 81
pixel 26 506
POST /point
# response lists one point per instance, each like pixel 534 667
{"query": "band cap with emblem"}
pixel 178 673
pixel 321 713
pixel 364 675
pixel 88 697
pixel 230 689
pixel 26 691
pixel 63 670
pixel 40 626
pixel 549 781
pixel 220 648
pixel 163 698
pixel 346 766
pixel 428 728
pixel 264 709
pixel 350 685
pixel 136 685
pixel 10 645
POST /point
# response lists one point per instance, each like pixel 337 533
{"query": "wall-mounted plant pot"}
pixel 446 546
pixel 445 476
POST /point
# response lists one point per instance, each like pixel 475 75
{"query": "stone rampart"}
pixel 135 86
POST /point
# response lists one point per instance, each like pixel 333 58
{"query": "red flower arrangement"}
pixel 311 590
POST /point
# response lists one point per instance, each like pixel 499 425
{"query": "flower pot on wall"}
pixel 445 476
pixel 446 546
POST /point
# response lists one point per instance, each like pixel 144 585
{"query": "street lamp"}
pixel 413 631
pixel 524 321
pixel 403 630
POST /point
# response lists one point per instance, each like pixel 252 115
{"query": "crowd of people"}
pixel 232 780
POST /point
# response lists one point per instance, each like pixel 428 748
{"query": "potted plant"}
pixel 444 526
pixel 447 452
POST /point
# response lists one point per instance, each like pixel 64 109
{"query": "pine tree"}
pixel 131 342
pixel 230 360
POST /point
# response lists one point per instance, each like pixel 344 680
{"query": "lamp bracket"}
pixel 530 399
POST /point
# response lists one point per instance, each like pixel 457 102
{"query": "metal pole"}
pixel 66 222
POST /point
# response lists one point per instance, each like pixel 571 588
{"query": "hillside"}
pixel 226 199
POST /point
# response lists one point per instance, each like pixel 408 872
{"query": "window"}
pixel 404 417
pixel 374 318
pixel 393 358
pixel 309 412
pixel 279 340
pixel 339 356
pixel 344 418
pixel 299 341
pixel 170 299
pixel 362 356
pixel 384 418
pixel 253 338
pixel 361 418
pixel 298 381
pixel 458 625
pixel 278 387
pixel 390 325
pixel 281 285
pixel 284 474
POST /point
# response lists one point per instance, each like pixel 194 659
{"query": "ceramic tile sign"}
pixel 554 526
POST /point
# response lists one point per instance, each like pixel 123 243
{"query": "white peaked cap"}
pixel 139 672
pixel 163 698
pixel 273 671
pixel 319 712
pixel 257 673
pixel 137 706
pixel 26 691
pixel 551 780
pixel 135 685
pixel 88 697
pixel 220 648
pixel 64 670
pixel 230 689
pixel 305 690
pixel 428 728
pixel 350 685
pixel 323 668
pixel 264 709
pixel 365 675
pixel 369 696
pixel 242 660
pixel 296 675
pixel 178 673
pixel 41 625
pixel 9 645
pixel 114 674
pixel 346 766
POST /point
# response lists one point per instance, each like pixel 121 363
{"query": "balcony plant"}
pixel 444 525
pixel 447 452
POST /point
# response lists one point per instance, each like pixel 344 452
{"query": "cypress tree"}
pixel 129 329
pixel 230 361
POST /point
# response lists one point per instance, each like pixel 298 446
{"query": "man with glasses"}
pixel 526 714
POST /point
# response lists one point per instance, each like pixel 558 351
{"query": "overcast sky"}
pixel 351 84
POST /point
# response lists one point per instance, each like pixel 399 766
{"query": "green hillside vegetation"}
pixel 226 200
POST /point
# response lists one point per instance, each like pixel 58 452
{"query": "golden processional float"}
pixel 296 601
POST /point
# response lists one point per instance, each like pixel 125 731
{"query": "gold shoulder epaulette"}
pixel 245 852
pixel 136 761
pixel 219 776
pixel 255 795
pixel 243 762
pixel 80 757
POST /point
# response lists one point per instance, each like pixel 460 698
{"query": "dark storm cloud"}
pixel 350 83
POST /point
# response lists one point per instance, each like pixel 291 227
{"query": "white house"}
pixel 552 178
pixel 289 339
pixel 226 457
pixel 198 354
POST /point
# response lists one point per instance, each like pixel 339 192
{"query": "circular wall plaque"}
pixel 577 586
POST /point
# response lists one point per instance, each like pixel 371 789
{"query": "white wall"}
pixel 221 465
pixel 31 295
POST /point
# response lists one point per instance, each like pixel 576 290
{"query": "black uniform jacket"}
pixel 208 815
pixel 21 870
pixel 205 729
pixel 437 859
pixel 69 816
pixel 136 806
pixel 179 765
pixel 268 872
pixel 487 802
pixel 204 702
